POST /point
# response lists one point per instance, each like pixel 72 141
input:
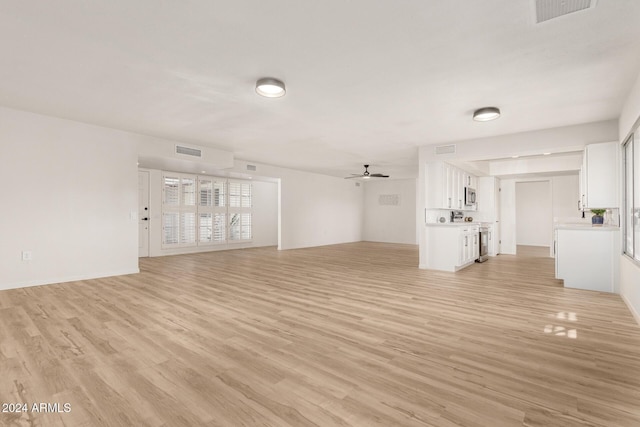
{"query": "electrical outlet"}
pixel 27 255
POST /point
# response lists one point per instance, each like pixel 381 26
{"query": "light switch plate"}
pixel 27 255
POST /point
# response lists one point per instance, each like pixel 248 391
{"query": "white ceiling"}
pixel 368 81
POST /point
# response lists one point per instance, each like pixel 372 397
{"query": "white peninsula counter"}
pixel 451 246
pixel 587 256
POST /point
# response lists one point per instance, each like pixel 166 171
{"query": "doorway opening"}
pixel 534 218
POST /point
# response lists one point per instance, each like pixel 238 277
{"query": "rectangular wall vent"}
pixel 549 9
pixel 357 184
pixel 446 149
pixel 251 167
pixel 389 199
pixel 187 151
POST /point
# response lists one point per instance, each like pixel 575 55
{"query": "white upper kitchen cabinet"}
pixel 445 186
pixel 470 181
pixel 599 176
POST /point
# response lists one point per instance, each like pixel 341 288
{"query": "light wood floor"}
pixel 533 251
pixel 345 335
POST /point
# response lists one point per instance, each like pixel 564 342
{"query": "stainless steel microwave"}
pixel 469 196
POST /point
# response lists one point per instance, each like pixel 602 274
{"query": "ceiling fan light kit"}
pixel 367 174
pixel 486 114
pixel 270 87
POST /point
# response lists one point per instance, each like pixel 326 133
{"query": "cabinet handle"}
pixel 489 235
pixel 466 242
pixel 459 204
pixel 578 204
pixel 475 239
pixel 449 202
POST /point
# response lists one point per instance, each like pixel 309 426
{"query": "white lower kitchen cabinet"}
pixel 451 247
pixel 587 257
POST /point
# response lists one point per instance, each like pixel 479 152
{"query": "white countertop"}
pixel 451 224
pixel 586 227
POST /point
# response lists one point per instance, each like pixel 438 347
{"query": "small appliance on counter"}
pixel 457 216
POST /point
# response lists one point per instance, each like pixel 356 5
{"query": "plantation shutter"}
pixel 240 207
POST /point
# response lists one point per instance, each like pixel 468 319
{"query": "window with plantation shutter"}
pixel 205 210
pixel 219 194
pixel 188 228
pixel 170 228
pixel 235 194
pixel 220 227
pixel 188 191
pixel 171 191
pixel 240 206
pixel 179 210
pixel 211 210
pixel 246 226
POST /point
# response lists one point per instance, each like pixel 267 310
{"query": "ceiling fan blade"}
pixel 355 176
pixel 379 175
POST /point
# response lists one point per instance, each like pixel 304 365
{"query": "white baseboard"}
pixel 633 311
pixel 50 281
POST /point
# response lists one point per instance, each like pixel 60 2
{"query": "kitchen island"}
pixel 587 256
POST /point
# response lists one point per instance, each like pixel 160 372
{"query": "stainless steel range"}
pixel 483 241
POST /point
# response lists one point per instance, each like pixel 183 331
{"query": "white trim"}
pixel 64 279
pixel 634 313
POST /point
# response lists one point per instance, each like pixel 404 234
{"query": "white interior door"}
pixel 143 214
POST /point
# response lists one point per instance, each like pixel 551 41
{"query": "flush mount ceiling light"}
pixel 270 87
pixel 486 114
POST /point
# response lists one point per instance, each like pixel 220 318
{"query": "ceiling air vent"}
pixel 446 149
pixel 187 151
pixel 251 167
pixel 549 9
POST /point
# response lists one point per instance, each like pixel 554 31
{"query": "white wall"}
pixel 264 225
pixel 69 189
pixel 556 140
pixel 265 213
pixel 630 271
pixel 566 193
pixel 318 210
pixel 508 216
pixel 534 223
pixel 386 223
pixel 315 210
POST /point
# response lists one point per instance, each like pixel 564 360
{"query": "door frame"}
pixel 143 213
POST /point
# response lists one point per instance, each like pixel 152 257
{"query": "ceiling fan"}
pixel 367 175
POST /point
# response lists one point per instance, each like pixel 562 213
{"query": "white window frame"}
pixel 214 210
pixel 224 208
pixel 182 209
pixel 631 199
pixel 243 211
